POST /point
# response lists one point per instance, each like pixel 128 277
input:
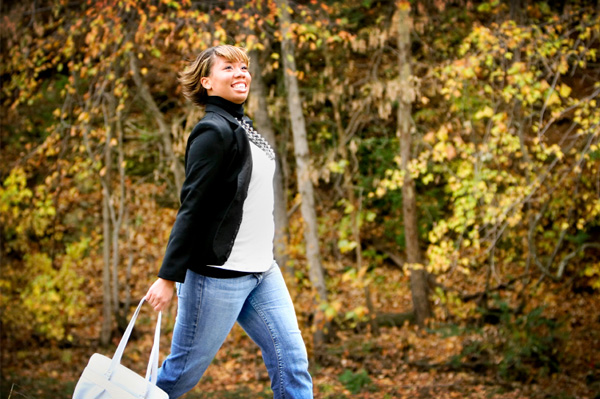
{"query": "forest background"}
pixel 438 215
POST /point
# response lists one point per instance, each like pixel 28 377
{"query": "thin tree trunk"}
pixel 418 277
pixel 116 203
pixel 127 301
pixel 120 313
pixel 106 329
pixel 258 108
pixel 305 187
pixel 349 188
pixel 517 8
pixel 163 128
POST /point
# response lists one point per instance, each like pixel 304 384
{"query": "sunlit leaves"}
pixel 53 297
pixel 490 186
pixel 504 149
pixel 24 211
pixel 14 192
pixel 592 271
pixel 506 124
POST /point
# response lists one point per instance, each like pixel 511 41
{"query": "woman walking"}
pixel 220 252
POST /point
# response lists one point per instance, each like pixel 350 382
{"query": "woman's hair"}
pixel 202 67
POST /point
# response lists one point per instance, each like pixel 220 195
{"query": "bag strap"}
pixel 152 369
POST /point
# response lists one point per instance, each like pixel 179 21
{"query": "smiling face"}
pixel 228 79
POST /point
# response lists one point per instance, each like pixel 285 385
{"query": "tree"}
pixel 516 10
pixel 418 275
pixel 492 164
pixel 516 153
pixel 302 156
pixel 164 129
pixel 93 59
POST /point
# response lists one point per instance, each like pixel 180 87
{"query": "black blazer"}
pixel 218 167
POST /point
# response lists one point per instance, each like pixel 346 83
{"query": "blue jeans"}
pixel 207 310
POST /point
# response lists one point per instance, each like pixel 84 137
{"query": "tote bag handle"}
pixel 152 369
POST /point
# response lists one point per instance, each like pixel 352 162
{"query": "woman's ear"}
pixel 205 82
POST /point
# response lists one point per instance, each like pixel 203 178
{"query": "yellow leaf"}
pixel 442 134
pixel 486 112
pixel 84 116
pixel 564 90
pixel 553 99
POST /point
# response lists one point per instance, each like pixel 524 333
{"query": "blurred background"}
pixel 438 188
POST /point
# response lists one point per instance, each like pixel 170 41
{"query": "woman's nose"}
pixel 240 72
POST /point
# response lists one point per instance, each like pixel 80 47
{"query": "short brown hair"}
pixel 202 66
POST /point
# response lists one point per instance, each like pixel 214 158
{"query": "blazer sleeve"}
pixel 206 155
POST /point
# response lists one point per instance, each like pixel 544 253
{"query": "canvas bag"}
pixel 104 378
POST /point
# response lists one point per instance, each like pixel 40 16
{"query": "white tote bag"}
pixel 106 378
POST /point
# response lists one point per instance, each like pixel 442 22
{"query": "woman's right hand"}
pixel 160 294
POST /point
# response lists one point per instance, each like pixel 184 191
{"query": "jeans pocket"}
pixel 179 287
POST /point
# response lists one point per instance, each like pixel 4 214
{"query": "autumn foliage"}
pixel 505 158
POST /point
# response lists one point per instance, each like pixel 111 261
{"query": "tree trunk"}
pixel 418 276
pixel 516 10
pixel 349 187
pixel 106 329
pixel 305 187
pixel 163 128
pixel 257 106
pixel 120 312
pixel 116 201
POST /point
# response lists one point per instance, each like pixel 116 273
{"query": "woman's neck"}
pixel 236 110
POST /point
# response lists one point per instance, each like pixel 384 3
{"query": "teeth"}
pixel 239 86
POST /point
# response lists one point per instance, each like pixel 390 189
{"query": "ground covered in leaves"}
pixel 554 354
pixel 399 363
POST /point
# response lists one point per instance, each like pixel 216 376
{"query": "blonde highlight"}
pixel 190 78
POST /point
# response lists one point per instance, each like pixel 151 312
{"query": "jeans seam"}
pixel 198 309
pixel 275 345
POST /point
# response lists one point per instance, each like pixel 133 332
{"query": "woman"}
pixel 220 252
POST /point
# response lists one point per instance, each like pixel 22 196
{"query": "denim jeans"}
pixel 207 310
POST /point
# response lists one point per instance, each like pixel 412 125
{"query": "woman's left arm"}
pixel 205 160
